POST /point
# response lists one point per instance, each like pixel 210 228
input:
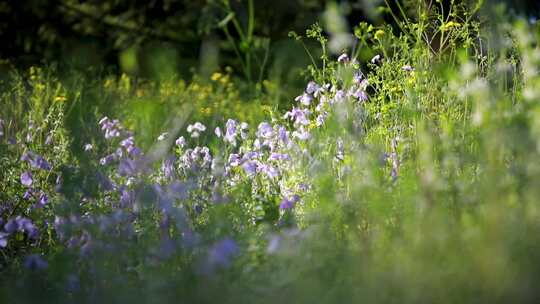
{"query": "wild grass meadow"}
pixel 404 169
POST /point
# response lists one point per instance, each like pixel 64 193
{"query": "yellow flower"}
pixel 108 83
pixel 379 34
pixel 412 78
pixel 206 110
pixel 450 25
pixel 225 79
pixel 60 98
pixel 216 76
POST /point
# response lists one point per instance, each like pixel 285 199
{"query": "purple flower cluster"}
pixel 18 224
pixel 173 190
pixel 111 128
pixel 289 202
pixel 221 254
pixel 36 161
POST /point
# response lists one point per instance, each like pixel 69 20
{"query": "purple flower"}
pixel 358 77
pixel 41 163
pixel 279 156
pixel 303 187
pixel 35 262
pixel 119 153
pixel 274 244
pixel 167 248
pixel 43 200
pixel 189 238
pixel 11 226
pixel 36 161
pixel 234 160
pixel 323 101
pixel 21 224
pixel 195 129
pixel 230 131
pixel 289 202
pixel 87 147
pixel 28 194
pixel 128 142
pixel 26 225
pixel 265 130
pixel 312 87
pixel 178 190
pixel 3 239
pixel 168 167
pixel 360 94
pixel 218 132
pixel 221 253
pixel 283 135
pixel 110 127
pixel 104 181
pixel 126 197
pixel 319 121
pixel 407 68
pixel 26 179
pixel 250 167
pixel 304 99
pixel 181 142
pixel 218 197
pixel 301 134
pixel 202 156
pixel 270 171
pixel 243 130
pixel 343 58
pixel 127 167
pixel 107 159
pixel 133 151
pixel 299 116
pixel 251 155
pixel 339 97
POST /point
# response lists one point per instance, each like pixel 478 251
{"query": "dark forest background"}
pixel 183 36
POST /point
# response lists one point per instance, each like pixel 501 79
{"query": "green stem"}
pixel 251 20
pixel 236 51
pixel 395 17
pixel 402 12
pixel 309 54
pixel 265 60
pixel 324 60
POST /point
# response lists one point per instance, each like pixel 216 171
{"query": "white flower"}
pixel 163 136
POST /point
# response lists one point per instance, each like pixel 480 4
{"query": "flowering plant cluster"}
pixel 383 181
pixel 166 195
